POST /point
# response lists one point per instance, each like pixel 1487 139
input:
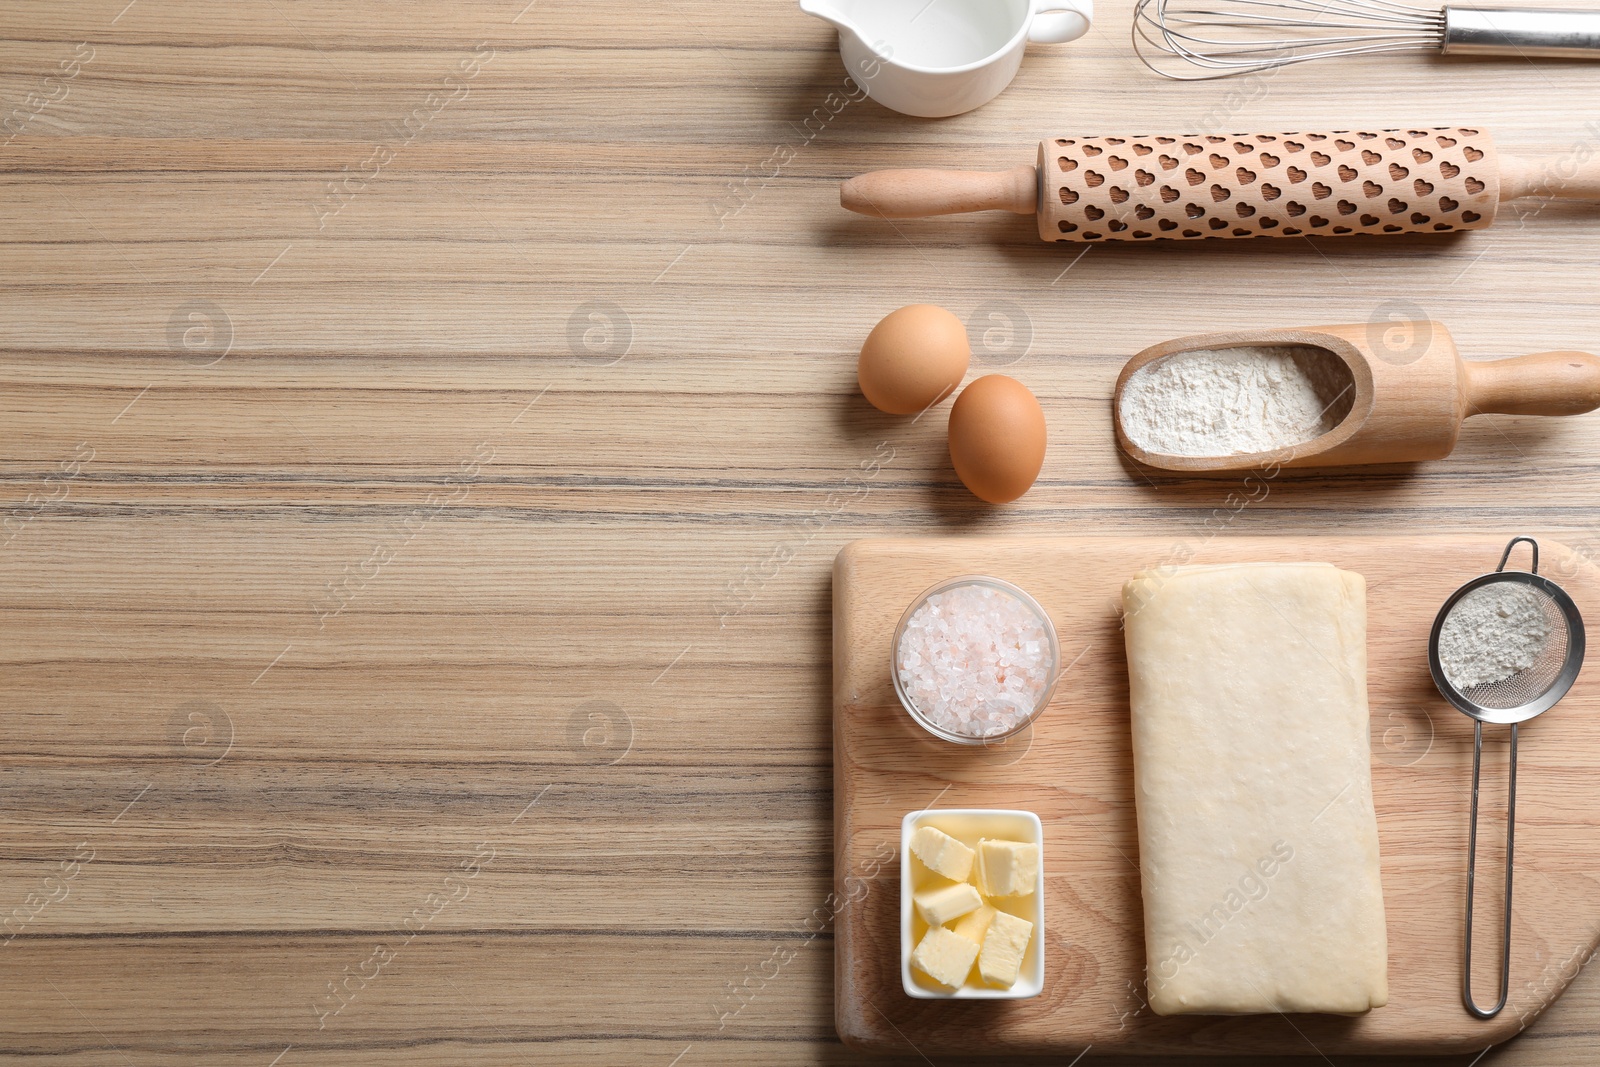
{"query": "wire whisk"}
pixel 1229 37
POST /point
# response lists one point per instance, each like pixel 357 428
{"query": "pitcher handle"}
pixel 1060 21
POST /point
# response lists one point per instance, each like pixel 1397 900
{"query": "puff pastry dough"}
pixel 1258 841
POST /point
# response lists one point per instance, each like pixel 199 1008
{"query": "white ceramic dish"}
pixel 931 60
pixel 967 825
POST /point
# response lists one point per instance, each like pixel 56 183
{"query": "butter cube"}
pixel 942 853
pixel 1003 948
pixel 939 906
pixel 1007 868
pixel 945 956
pixel 974 924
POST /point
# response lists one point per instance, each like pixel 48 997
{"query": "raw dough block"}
pixel 1258 841
pixel 941 853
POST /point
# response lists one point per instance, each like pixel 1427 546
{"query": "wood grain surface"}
pixel 1074 769
pixel 428 428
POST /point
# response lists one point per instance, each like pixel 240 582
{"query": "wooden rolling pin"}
pixel 1242 185
pixel 1406 402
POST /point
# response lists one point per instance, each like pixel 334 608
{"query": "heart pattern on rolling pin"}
pixel 1235 185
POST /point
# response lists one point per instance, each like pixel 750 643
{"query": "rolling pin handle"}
pixel 1574 175
pixel 1547 383
pixel 912 194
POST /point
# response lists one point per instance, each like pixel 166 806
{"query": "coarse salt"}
pixel 974 660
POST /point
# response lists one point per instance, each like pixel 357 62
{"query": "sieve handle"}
pixel 1472 864
pixel 1505 557
pixel 1547 383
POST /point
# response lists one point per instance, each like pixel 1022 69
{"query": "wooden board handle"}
pixel 1564 176
pixel 1547 383
pixel 911 194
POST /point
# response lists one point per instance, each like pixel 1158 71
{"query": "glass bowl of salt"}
pixel 974 660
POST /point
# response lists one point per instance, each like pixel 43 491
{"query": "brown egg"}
pixel 913 359
pixel 997 438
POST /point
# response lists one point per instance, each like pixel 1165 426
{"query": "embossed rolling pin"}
pixel 1243 185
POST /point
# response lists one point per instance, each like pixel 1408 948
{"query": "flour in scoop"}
pixel 1235 401
pixel 1495 631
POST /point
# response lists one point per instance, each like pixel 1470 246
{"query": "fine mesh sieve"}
pixel 1515 698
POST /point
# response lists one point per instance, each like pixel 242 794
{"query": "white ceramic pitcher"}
pixel 934 58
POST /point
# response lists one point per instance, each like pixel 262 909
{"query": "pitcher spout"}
pixel 828 12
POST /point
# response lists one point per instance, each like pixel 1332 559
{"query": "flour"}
pixel 1234 401
pixel 1492 633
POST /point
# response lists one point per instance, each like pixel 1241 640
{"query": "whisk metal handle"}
pixel 1472 863
pixel 1498 31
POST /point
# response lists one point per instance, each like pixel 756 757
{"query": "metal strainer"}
pixel 1509 700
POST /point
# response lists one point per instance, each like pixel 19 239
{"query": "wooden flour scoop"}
pixel 1242 185
pixel 1406 402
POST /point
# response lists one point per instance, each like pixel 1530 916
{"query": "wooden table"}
pixel 427 431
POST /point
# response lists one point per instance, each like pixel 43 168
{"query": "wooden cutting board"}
pixel 1075 771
